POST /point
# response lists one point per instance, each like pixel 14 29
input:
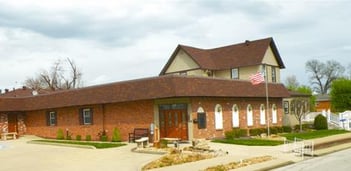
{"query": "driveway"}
pixel 20 156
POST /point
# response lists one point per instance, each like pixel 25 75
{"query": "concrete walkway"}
pixel 19 155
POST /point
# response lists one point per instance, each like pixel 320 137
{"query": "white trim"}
pixel 249 115
pixel 235 116
pixel 262 115
pixel 218 117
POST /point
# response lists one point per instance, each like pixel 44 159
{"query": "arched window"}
pixel 235 116
pixel 201 118
pixel 218 117
pixel 274 114
pixel 249 115
pixel 262 115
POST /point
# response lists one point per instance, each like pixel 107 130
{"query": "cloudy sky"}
pixel 114 40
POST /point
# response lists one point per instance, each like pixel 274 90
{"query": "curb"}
pixel 62 145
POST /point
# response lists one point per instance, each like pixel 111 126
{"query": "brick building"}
pixel 200 93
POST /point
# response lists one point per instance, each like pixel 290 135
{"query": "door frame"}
pixel 182 122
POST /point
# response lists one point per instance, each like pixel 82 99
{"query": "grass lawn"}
pixel 98 145
pixel 250 142
pixel 313 134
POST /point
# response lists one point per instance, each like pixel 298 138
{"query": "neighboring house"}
pixel 293 106
pixel 323 103
pixel 194 97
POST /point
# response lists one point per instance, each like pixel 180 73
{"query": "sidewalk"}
pixel 19 155
pixel 238 152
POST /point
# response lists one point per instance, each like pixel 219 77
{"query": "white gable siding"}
pixel 182 62
pixel 269 58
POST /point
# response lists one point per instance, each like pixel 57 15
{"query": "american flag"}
pixel 256 78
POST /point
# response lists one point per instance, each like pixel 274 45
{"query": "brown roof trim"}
pixel 143 89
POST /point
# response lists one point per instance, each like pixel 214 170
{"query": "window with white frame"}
pixel 235 116
pixel 218 117
pixel 274 114
pixel 249 115
pixel 262 115
pixel 235 73
pixel 51 118
pixel 274 74
pixel 86 116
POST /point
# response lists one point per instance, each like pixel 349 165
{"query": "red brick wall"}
pixel 208 104
pixel 129 115
pixel 124 116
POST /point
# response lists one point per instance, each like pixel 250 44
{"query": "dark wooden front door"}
pixel 173 123
pixel 12 122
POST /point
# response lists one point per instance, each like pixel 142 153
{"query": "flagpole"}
pixel 267 111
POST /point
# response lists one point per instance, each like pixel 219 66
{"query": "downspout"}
pixel 103 117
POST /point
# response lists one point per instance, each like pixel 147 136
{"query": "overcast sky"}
pixel 123 39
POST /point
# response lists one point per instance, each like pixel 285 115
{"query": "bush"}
pixel 88 138
pixel 279 129
pixel 304 127
pixel 273 130
pixel 78 137
pixel 116 137
pixel 69 137
pixel 103 138
pixel 257 131
pixel 287 129
pixel 60 135
pixel 163 143
pixel 235 133
pixel 320 122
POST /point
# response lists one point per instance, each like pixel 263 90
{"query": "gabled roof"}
pixel 249 53
pixel 143 89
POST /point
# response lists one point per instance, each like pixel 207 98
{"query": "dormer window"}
pixel 274 75
pixel 235 73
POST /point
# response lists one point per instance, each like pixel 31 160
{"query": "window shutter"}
pixel 80 115
pixel 47 118
pixel 91 115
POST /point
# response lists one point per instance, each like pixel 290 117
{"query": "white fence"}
pixel 341 120
pixel 299 146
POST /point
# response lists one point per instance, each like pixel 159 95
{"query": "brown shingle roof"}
pixel 249 53
pixel 142 89
pixel 23 92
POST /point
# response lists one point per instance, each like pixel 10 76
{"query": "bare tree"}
pixel 299 107
pixel 323 74
pixel 291 82
pixel 58 77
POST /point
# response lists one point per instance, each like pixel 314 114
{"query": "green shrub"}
pixel 287 129
pixel 257 131
pixel 320 122
pixel 304 127
pixel 103 138
pixel 116 137
pixel 273 130
pixel 279 129
pixel 235 133
pixel 163 143
pixel 78 137
pixel 88 138
pixel 60 135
